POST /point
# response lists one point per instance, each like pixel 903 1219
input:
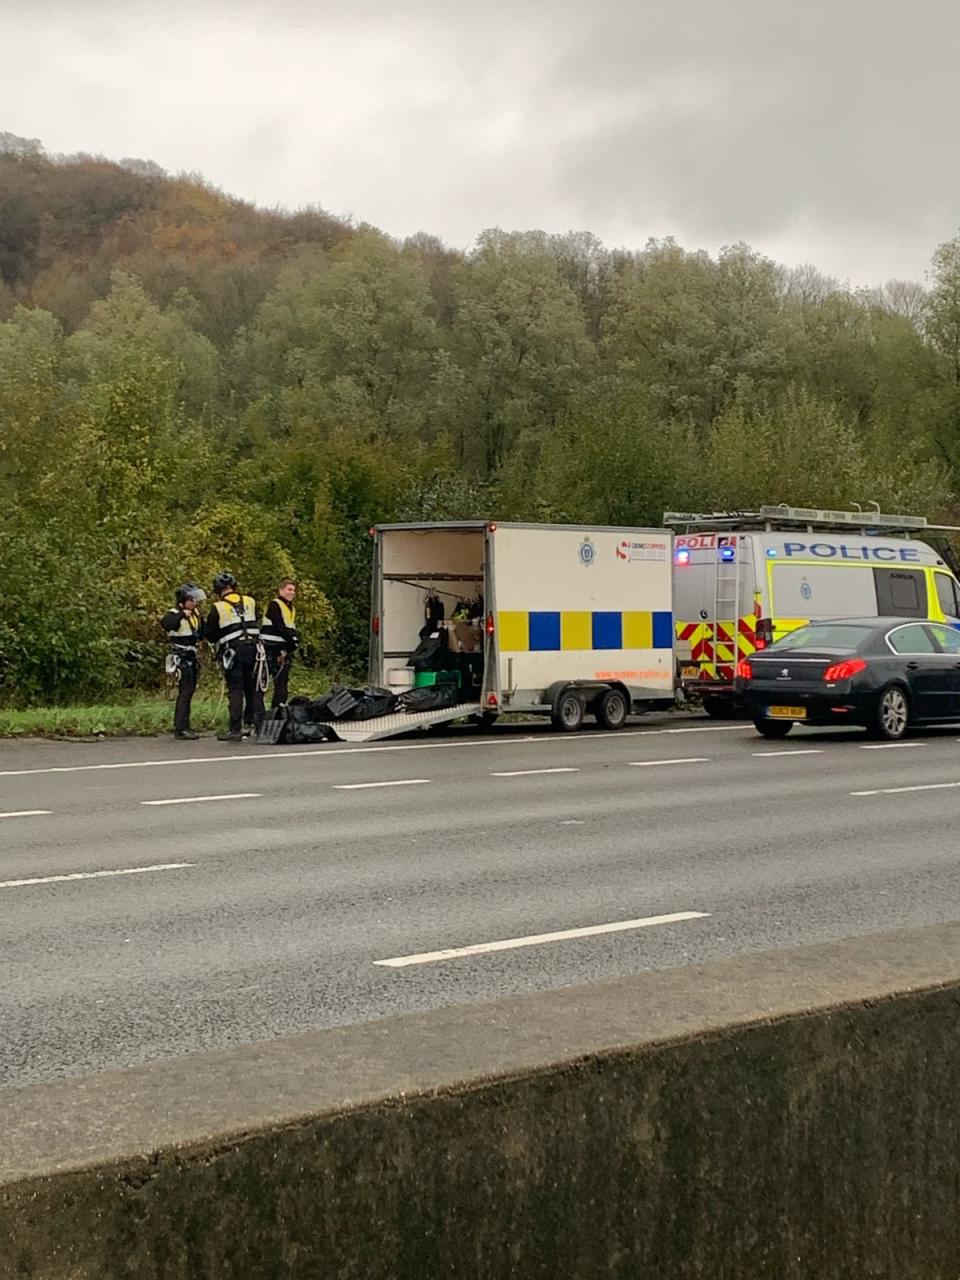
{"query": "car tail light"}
pixel 744 670
pixel 764 635
pixel 844 670
pixel 489 628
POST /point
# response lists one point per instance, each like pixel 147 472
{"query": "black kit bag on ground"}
pixel 372 703
pixel 434 697
pixel 274 728
pixel 309 731
pixel 339 703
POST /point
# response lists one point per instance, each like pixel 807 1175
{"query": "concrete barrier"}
pixel 788 1115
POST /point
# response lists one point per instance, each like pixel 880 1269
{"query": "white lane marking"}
pixel 26 813
pixel 366 786
pixel 652 764
pixel 526 773
pixel 790 751
pixel 98 875
pixel 237 795
pixel 895 791
pixel 329 753
pixel 535 939
pixel 573 822
pixel 706 728
pixel 889 746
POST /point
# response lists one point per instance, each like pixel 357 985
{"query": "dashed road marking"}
pixel 236 795
pixel 790 751
pixel 97 875
pixel 367 786
pixel 26 813
pixel 527 773
pixel 536 939
pixel 896 791
pixel 652 764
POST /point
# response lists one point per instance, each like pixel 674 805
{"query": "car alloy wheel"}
pixel 893 713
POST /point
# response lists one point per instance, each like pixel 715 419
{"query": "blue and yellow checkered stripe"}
pixel 536 631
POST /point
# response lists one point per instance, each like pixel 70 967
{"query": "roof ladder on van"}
pixel 726 606
pixel 782 517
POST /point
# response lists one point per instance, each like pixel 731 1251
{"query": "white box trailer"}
pixel 569 620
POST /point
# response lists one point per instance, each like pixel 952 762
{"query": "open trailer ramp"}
pixel 399 722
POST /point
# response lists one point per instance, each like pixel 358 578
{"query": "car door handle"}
pixel 915 666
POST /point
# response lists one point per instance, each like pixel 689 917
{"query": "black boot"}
pixel 187 734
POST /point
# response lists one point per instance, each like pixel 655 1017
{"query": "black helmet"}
pixel 190 591
pixel 224 581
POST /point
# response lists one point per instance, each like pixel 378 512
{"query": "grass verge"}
pixel 145 716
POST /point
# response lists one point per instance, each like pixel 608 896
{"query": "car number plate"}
pixel 690 673
pixel 787 713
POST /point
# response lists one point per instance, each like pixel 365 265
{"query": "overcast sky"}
pixel 819 131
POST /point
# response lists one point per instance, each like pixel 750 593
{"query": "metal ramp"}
pixel 399 722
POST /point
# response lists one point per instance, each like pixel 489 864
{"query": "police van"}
pixel 744 579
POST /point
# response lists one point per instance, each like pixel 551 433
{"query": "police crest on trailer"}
pixel 587 553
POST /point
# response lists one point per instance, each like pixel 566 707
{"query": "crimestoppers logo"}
pixel 628 550
pixel 587 553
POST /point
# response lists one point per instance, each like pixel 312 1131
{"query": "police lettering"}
pixel 829 551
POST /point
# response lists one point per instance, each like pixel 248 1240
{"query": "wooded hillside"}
pixel 189 383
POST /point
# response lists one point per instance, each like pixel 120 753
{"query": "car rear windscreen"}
pixel 827 637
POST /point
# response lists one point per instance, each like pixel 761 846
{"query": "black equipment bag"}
pixel 432 698
pixel 372 703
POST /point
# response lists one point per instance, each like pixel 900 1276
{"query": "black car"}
pixel 886 674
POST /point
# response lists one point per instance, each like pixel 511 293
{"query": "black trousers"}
pixel 279 661
pixel 186 688
pixel 244 699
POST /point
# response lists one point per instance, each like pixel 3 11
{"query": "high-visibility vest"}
pixel 238 619
pixel 269 631
pixel 184 638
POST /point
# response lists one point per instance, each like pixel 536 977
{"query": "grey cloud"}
pixel 816 131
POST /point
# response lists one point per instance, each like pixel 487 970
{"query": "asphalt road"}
pixel 158 898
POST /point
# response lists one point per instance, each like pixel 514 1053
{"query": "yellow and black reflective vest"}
pixel 182 630
pixel 237 618
pixel 279 625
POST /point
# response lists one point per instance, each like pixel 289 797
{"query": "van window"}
pixel 901 593
pixel 947 595
pixel 822 591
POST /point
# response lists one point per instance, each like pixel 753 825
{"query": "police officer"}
pixel 231 628
pixel 182 625
pixel 278 631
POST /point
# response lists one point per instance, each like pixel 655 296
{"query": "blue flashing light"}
pixel 728 553
pixel 682 556
pixel 771 552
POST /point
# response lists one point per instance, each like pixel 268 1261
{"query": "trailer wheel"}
pixel 612 709
pixel 567 713
pixel 485 720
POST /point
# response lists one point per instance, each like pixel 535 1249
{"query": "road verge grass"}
pixel 144 716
